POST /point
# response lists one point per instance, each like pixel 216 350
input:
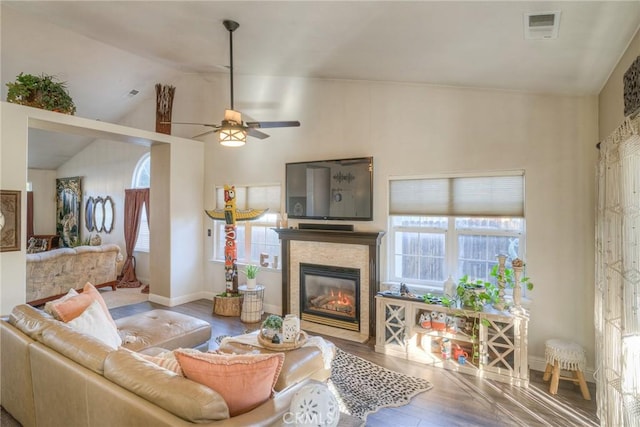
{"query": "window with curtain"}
pixel 142 179
pixel 453 226
pixel 252 237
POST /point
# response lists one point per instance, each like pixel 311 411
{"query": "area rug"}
pixel 362 387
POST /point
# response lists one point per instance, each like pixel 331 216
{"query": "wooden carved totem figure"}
pixel 230 250
pixel 230 214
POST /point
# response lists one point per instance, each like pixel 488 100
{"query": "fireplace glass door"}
pixel 330 295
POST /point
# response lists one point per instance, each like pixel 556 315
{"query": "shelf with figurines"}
pixel 492 342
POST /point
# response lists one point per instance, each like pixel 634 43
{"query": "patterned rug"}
pixel 363 387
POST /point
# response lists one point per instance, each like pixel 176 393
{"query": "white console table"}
pixel 496 341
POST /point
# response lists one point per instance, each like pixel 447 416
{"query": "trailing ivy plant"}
pixel 475 294
pixel 41 91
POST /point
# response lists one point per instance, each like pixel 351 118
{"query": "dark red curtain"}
pixel 29 215
pixel 134 200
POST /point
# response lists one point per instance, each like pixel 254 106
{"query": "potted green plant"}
pixel 271 326
pixel 251 271
pixel 41 91
pixel 475 294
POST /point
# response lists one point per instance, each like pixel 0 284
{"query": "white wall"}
pixel 43 185
pixel 424 130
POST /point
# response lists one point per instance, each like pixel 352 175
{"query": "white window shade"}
pixel 253 197
pixel 459 196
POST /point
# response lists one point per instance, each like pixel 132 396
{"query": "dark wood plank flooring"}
pixel 455 399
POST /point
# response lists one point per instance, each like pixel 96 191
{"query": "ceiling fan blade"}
pixel 256 133
pixel 191 123
pixel 287 124
pixel 205 133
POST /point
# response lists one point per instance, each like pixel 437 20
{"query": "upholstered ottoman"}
pixel 163 328
pixel 313 360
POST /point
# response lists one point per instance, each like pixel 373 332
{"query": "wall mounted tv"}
pixel 330 189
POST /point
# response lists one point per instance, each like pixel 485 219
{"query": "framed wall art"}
pixel 9 220
pixel 69 197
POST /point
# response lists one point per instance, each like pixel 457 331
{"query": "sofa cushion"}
pixel 81 348
pixel 162 328
pixel 73 307
pixel 244 381
pixel 94 322
pixel 185 398
pixel 30 320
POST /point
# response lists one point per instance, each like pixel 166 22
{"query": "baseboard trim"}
pixel 172 302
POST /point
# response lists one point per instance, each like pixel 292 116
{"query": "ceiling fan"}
pixel 233 130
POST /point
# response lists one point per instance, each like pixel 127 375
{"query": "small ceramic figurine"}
pixel 425 320
pixel 404 289
pixel 275 339
pixel 290 328
pixel 438 321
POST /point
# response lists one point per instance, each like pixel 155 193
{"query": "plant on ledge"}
pixel 41 91
pixel 475 294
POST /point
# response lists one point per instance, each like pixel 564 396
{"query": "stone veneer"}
pixel 337 255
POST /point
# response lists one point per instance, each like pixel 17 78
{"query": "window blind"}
pixel 487 196
pixel 253 197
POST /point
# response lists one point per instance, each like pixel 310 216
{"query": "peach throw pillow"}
pixel 244 380
pixel 73 307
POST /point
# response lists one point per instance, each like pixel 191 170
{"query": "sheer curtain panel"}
pixel 618 277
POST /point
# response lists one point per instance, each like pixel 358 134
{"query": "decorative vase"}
pixel 450 288
pixel 251 283
pixel 164 106
pixel 517 289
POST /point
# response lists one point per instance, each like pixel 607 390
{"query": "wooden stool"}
pixel 567 356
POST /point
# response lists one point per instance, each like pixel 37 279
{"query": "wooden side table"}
pixel 252 303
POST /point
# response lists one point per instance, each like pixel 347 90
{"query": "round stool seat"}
pixel 568 356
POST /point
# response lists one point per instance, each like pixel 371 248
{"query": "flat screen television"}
pixel 330 189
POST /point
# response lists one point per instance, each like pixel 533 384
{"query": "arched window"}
pixel 142 179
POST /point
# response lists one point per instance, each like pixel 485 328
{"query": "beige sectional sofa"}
pixel 52 375
pixel 52 273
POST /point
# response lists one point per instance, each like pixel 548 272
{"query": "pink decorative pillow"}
pixel 73 307
pixel 244 380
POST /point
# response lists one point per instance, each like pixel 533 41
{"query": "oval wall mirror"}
pixel 98 214
pixel 108 214
pixel 88 214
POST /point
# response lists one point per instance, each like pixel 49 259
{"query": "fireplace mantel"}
pixel 370 239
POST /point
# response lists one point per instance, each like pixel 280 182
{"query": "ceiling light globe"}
pixel 233 137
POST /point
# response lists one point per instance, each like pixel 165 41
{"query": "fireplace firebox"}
pixel 330 295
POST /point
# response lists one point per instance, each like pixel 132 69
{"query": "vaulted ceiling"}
pixel 105 49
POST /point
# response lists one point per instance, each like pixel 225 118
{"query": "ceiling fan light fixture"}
pixel 233 137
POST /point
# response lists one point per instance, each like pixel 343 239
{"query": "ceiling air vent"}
pixel 541 25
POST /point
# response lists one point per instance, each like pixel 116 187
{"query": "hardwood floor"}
pixel 455 399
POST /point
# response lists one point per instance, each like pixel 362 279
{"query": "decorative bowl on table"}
pixel 267 343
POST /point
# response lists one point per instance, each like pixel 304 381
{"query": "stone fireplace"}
pixel 342 262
